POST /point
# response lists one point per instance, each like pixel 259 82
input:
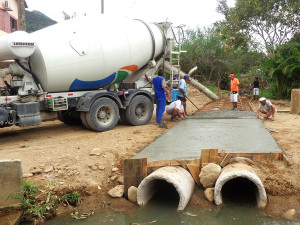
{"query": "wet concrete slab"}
pixel 234 131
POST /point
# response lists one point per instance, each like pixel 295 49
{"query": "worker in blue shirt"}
pixel 182 92
pixel 160 90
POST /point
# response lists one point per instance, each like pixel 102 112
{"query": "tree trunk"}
pixel 21 15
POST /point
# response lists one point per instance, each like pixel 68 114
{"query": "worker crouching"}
pixel 176 109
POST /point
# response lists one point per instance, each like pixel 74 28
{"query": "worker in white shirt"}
pixel 176 108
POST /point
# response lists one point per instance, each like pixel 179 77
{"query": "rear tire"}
pixel 103 115
pixel 123 117
pixel 84 121
pixel 70 117
pixel 140 110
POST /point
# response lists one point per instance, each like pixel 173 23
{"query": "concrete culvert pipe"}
pixel 239 180
pixel 177 177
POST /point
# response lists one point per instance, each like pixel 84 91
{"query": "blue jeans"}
pixel 160 109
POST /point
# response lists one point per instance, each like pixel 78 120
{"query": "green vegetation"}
pixel 36 20
pixel 35 209
pixel 39 204
pixel 258 38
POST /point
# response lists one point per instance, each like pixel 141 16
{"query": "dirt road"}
pixel 66 158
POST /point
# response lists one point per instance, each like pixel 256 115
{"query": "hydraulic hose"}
pixel 38 84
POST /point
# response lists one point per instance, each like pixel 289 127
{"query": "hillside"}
pixel 36 20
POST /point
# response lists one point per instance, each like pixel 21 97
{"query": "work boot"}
pixel 173 119
pixel 163 125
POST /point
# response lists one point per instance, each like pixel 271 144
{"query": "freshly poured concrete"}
pixel 234 131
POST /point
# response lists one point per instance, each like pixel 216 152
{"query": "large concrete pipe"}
pixel 180 178
pixel 194 83
pixel 240 171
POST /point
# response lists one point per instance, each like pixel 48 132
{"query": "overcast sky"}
pixel 192 13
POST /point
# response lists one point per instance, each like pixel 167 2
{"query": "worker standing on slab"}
pixel 234 91
pixel 182 93
pixel 160 90
pixel 176 109
pixel 255 85
pixel 266 108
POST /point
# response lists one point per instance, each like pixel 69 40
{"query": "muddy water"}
pixel 166 215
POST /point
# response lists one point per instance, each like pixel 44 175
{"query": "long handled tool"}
pixel 192 102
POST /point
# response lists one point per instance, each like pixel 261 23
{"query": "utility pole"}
pixel 102 6
pixel 21 15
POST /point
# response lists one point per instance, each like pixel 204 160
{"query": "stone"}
pixel 132 194
pixel 121 179
pixel 94 167
pixel 209 194
pixel 35 170
pixel 116 192
pixel 95 151
pixel 290 214
pixel 113 178
pixel 25 175
pixel 115 169
pixel 101 167
pixel 209 174
pixel 48 169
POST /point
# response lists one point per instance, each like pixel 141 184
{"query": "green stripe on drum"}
pixel 121 75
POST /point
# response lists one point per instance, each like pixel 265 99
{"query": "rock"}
pixel 35 170
pixel 121 179
pixel 116 192
pixel 101 167
pixel 94 167
pixel 209 194
pixel 290 214
pixel 104 156
pixel 115 169
pixel 95 151
pixel 113 178
pixel 25 175
pixel 48 169
pixel 209 174
pixel 132 194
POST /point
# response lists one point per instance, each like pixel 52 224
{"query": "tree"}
pixel 263 24
pixel 206 50
pixel 283 70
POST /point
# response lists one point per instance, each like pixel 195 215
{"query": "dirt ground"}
pixel 68 158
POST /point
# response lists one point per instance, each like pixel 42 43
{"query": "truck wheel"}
pixel 70 117
pixel 123 117
pixel 139 111
pixel 84 121
pixel 103 115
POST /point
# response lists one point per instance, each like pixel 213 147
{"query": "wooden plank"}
pixel 183 163
pixel 135 170
pixel 257 156
pixel 226 160
pixel 208 156
pixel 195 171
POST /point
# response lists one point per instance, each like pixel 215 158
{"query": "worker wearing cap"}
pixel 182 92
pixel 266 108
pixel 234 91
pixel 160 91
pixel 176 108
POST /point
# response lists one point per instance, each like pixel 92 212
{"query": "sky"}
pixel 192 13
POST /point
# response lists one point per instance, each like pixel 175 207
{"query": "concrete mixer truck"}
pixel 87 70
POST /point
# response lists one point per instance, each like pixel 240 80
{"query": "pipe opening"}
pixel 239 190
pixel 165 194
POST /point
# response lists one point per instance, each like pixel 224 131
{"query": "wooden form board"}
pixel 256 157
pixel 208 156
pixel 135 170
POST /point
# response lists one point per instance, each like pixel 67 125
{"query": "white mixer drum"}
pixel 89 53
pixel 16 45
